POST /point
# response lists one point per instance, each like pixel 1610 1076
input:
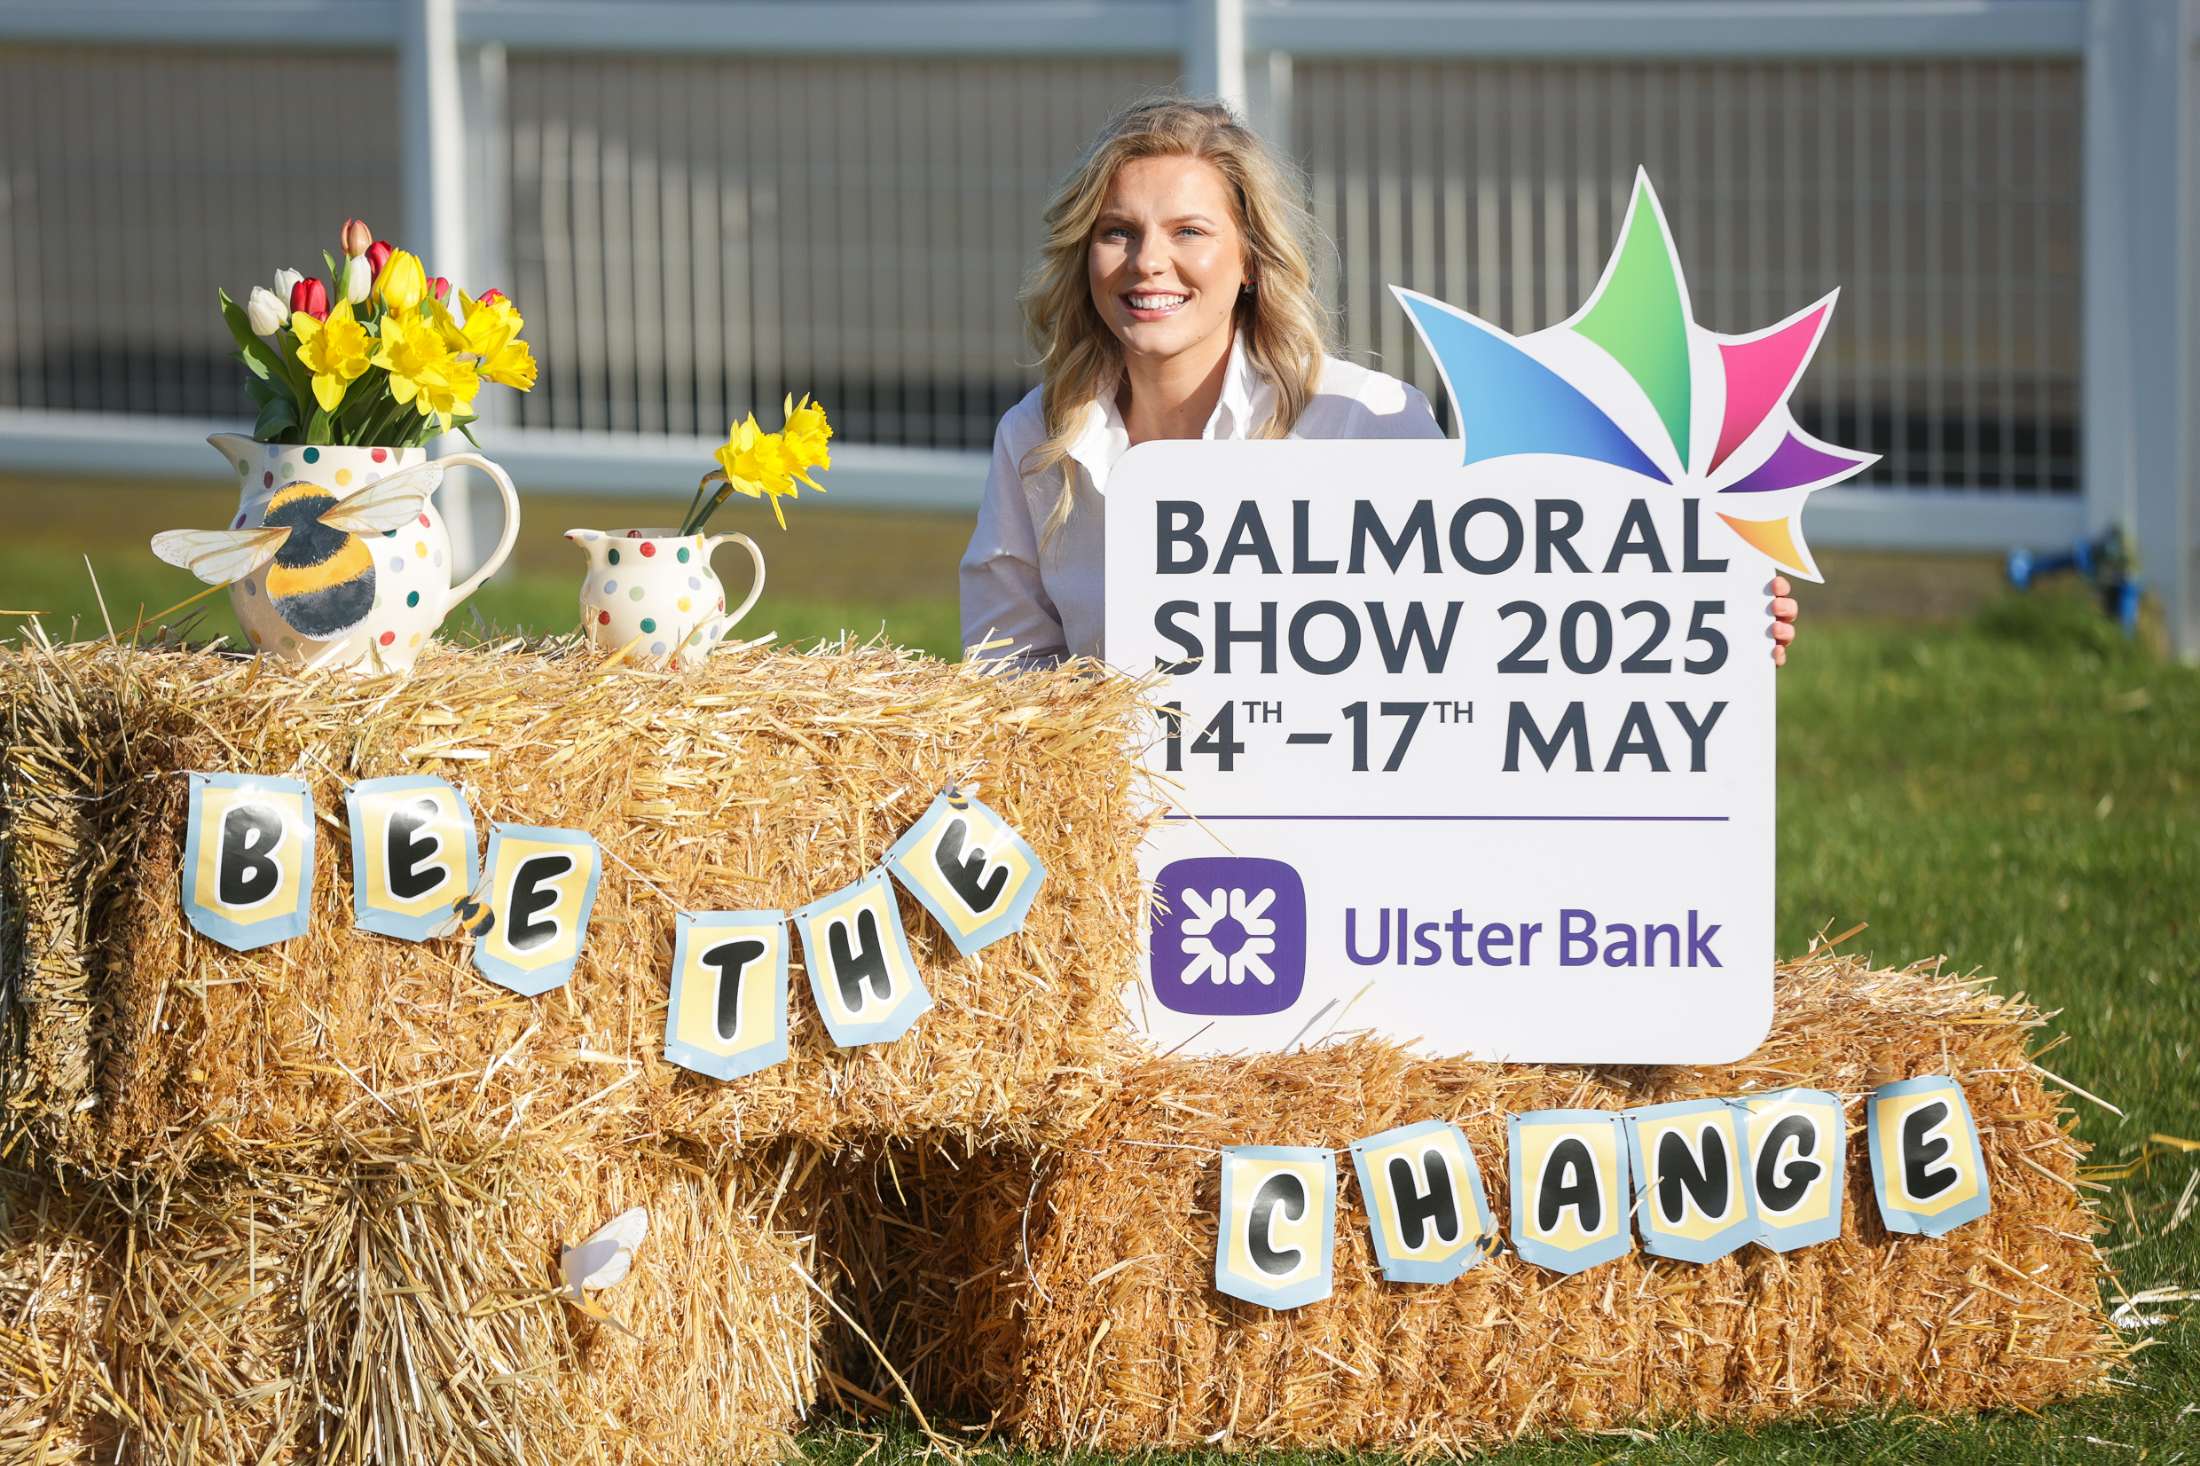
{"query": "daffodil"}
pixel 492 332
pixel 757 464
pixel 422 370
pixel 335 351
pixel 807 433
pixel 402 281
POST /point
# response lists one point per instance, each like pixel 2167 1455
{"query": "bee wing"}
pixel 219 556
pixel 387 504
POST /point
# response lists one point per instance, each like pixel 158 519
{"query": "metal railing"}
pixel 703 206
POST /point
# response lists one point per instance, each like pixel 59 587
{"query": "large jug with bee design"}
pixel 366 602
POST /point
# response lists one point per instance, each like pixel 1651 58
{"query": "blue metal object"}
pixel 2103 560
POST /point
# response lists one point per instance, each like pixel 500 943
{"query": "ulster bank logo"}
pixel 1632 381
pixel 1229 936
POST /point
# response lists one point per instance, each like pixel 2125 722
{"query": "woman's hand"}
pixel 1783 619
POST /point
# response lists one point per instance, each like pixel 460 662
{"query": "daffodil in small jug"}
pixel 651 594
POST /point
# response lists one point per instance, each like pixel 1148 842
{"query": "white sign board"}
pixel 1476 757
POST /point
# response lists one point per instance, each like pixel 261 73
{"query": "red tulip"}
pixel 492 294
pixel 310 296
pixel 357 237
pixel 440 286
pixel 378 254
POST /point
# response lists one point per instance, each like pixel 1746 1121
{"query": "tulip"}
pixel 357 238
pixel 401 283
pixel 285 282
pixel 440 286
pixel 266 311
pixel 493 294
pixel 358 280
pixel 378 255
pixel 310 296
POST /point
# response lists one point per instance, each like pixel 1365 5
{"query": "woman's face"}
pixel 1167 258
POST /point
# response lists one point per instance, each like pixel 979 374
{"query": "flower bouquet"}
pixel 653 590
pixel 337 556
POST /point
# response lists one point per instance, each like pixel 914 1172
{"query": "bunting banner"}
pixel 969 869
pixel 541 887
pixel 413 857
pixel 1569 1188
pixel 729 992
pixel 1927 1168
pixel 865 982
pixel 1426 1213
pixel 1797 1143
pixel 248 859
pixel 1691 1191
pixel 1278 1225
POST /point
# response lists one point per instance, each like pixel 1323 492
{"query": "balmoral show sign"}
pixel 1471 743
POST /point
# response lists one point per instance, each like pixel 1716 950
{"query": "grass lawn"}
pixel 1998 779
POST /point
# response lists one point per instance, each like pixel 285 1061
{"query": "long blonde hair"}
pixel 1280 320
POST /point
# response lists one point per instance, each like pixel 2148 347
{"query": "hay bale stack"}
pixel 764 780
pixel 1125 1344
pixel 57 1397
pixel 401 1304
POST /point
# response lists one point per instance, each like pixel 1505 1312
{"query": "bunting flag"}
pixel 967 867
pixel 1927 1167
pixel 1426 1212
pixel 865 982
pixel 1569 1188
pixel 541 888
pixel 729 992
pixel 248 858
pixel 1278 1224
pixel 1691 1188
pixel 413 856
pixel 1797 1143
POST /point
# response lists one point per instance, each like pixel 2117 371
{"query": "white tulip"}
pixel 285 282
pixel 357 280
pixel 265 312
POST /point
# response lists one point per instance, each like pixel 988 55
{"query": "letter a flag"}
pixel 1569 1188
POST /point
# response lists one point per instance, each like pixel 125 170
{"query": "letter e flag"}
pixel 542 887
pixel 969 869
pixel 1926 1162
pixel 413 856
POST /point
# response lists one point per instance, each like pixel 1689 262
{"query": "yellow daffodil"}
pixel 491 333
pixel 402 281
pixel 807 433
pixel 334 350
pixel 758 464
pixel 422 369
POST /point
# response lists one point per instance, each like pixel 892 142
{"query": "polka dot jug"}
pixel 652 593
pixel 411 575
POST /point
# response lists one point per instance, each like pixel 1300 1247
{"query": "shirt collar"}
pixel 1239 411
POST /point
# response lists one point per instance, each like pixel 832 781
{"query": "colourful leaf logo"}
pixel 1632 381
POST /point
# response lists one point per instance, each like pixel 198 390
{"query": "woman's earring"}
pixel 1245 289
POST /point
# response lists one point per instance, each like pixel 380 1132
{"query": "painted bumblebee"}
pixel 321 579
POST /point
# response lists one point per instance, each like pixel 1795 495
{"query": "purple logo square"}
pixel 1232 940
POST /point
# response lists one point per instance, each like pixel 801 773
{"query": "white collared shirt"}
pixel 1046 604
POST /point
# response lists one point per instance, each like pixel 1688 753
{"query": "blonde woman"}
pixel 1173 298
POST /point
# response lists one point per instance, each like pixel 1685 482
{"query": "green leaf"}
pixel 262 392
pixel 335 276
pixel 469 432
pixel 318 429
pixel 253 364
pixel 277 416
pixel 240 325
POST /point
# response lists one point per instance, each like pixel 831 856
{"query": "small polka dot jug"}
pixel 403 577
pixel 652 593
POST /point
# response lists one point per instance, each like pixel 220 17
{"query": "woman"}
pixel 1173 299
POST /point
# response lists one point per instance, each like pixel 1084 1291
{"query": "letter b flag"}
pixel 248 859
pixel 1278 1225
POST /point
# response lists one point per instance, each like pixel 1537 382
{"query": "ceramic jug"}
pixel 411 565
pixel 653 590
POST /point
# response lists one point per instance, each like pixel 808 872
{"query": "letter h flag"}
pixel 1426 1212
pixel 1278 1224
pixel 865 982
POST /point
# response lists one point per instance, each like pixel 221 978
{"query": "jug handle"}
pixel 489 566
pixel 710 547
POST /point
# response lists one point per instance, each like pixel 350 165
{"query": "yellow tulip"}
pixel 402 281
pixel 334 350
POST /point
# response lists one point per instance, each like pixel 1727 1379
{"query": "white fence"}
pixel 703 205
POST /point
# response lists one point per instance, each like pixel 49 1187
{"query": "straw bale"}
pixel 57 1399
pixel 1123 1342
pixel 401 1303
pixel 763 780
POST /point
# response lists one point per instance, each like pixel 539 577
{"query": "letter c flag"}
pixel 1278 1224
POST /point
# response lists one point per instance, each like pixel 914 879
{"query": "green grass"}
pixel 2002 780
